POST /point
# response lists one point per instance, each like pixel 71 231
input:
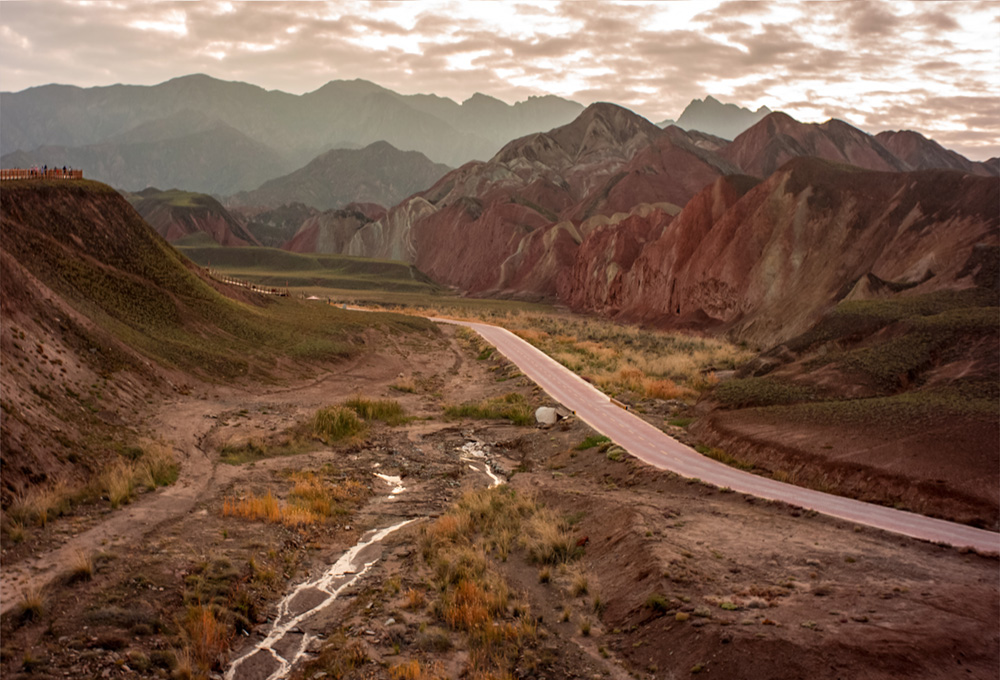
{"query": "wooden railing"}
pixel 35 173
pixel 266 290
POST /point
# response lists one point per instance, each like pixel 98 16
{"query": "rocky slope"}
pixel 326 232
pixel 778 138
pixel 920 153
pixel 91 295
pixel 177 214
pixel 544 190
pixel 765 265
pixel 378 173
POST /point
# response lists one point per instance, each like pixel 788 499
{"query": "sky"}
pixel 933 67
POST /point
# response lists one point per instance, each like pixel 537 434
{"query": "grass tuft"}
pixel 592 441
pixel 512 406
pixel 30 607
pixel 336 423
pixel 82 568
pixel 388 411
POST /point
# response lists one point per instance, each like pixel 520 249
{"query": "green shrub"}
pixel 388 411
pixel 591 441
pixel 658 603
pixel 513 407
pixel 616 454
pixel 335 423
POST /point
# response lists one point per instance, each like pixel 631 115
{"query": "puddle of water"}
pixel 475 452
pixel 395 482
pixel 494 479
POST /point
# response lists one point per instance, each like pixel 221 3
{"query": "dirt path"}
pixel 184 423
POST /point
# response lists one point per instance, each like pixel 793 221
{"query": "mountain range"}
pixel 569 213
pixel 605 212
pixel 203 134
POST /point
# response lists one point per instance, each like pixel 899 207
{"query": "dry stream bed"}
pixel 580 564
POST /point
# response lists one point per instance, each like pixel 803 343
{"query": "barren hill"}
pixel 378 173
pixel 100 311
pixel 778 138
pixel 512 222
pixel 920 153
pixel 175 214
pixel 766 265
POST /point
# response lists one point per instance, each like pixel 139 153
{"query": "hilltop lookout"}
pixel 36 173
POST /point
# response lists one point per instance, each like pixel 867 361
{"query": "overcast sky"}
pixel 933 67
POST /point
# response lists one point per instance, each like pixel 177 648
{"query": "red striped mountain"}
pixel 778 138
pixel 480 226
pixel 327 232
pixel 920 153
pixel 766 262
pixel 176 214
pixel 379 173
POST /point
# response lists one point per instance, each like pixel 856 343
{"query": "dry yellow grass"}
pixel 412 670
pixel 266 508
pixel 39 504
pixel 208 638
pixel 310 500
pixel 415 599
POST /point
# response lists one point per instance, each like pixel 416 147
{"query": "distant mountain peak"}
pixel 718 118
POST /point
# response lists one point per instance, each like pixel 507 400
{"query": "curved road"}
pixel 652 446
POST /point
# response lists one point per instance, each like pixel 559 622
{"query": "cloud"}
pixel 862 61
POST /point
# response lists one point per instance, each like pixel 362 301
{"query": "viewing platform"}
pixel 35 173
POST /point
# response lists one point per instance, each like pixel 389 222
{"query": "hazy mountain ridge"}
pixel 378 173
pixel 293 128
pixel 215 159
pixel 711 116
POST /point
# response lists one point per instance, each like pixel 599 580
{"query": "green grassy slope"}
pixel 88 245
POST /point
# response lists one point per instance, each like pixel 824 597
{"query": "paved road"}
pixel 652 446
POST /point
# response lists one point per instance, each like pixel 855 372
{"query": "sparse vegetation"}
pixel 766 391
pixel 723 457
pixel 310 500
pixel 388 411
pixel 82 568
pixel 628 360
pixel 512 406
pixel 335 423
pixel 592 441
pixel 474 598
pixel 30 607
pixel 207 636
pixel 657 603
